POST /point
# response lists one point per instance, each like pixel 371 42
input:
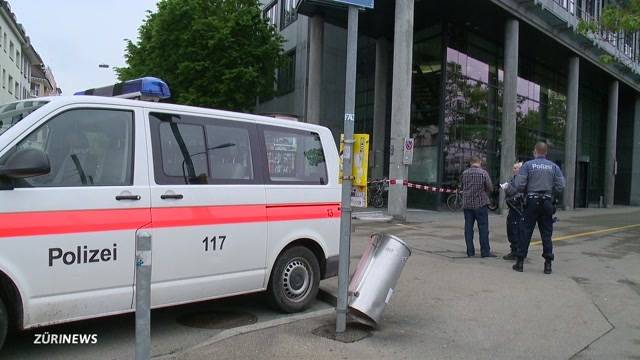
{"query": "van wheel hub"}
pixel 296 279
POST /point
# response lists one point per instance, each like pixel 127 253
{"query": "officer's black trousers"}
pixel 538 211
pixel 515 229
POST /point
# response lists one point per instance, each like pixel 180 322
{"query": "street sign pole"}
pixel 347 154
pixel 143 296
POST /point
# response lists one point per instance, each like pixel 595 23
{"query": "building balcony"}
pixel 624 48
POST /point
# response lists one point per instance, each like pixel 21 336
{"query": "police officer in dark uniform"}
pixel 515 218
pixel 538 179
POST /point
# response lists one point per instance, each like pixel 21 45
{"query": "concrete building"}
pixel 17 55
pixel 43 83
pixel 463 78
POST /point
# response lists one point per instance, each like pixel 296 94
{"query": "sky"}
pixel 74 36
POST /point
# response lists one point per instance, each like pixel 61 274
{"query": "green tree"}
pixel 617 15
pixel 212 53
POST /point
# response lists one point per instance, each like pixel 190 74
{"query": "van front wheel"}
pixel 294 280
pixel 4 323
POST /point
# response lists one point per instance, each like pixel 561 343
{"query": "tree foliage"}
pixel 212 53
pixel 620 15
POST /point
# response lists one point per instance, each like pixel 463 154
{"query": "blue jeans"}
pixel 481 215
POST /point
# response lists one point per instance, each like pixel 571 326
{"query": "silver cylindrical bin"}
pixel 376 275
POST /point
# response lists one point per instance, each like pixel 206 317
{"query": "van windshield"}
pixel 12 113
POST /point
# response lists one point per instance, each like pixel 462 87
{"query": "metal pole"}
pixel 509 103
pixel 571 132
pixel 143 296
pixel 610 153
pixel 345 221
pixel 400 105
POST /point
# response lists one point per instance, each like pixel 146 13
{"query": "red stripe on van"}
pixel 287 212
pixel 73 221
pixel 207 215
pixel 79 221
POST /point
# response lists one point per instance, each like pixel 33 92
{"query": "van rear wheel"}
pixel 295 279
pixel 4 322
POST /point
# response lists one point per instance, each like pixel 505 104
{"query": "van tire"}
pixel 4 323
pixel 295 280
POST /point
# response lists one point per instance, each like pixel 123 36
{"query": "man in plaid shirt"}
pixel 476 186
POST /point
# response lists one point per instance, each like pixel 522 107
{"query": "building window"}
pixel 287 74
pixel 17 90
pixel 36 90
pixel 18 58
pixel 5 42
pixel 271 14
pixel 12 50
pixel 289 13
pixel 4 78
pixel 10 84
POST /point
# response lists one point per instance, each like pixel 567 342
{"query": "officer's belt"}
pixel 541 195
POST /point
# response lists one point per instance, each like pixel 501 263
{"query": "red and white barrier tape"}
pixel 416 186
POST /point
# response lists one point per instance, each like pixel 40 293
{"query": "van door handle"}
pixel 128 197
pixel 171 196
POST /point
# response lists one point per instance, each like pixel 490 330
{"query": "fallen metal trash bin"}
pixel 376 275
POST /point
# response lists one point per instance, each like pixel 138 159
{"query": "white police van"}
pixel 235 204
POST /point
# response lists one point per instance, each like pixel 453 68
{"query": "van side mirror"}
pixel 26 163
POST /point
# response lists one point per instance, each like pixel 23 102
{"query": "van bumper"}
pixel 331 269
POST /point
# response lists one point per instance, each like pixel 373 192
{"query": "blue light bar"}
pixel 146 88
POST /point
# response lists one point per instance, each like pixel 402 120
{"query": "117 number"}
pixel 211 244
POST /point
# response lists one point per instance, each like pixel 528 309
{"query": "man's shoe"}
pixel 489 255
pixel 519 265
pixel 510 256
pixel 547 266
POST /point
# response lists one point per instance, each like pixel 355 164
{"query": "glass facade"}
pixel 473 107
pixel 592 130
pixel 456 108
pixel 426 102
pixel 456 112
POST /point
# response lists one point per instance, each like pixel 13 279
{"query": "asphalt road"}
pixel 172 329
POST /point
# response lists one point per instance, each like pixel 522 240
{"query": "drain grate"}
pixel 354 332
pixel 217 320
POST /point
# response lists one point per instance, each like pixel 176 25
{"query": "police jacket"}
pixel 540 176
pixel 514 198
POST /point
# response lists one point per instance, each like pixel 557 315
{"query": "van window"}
pixel 183 150
pixel 295 156
pixel 86 147
pixel 229 153
pixel 200 150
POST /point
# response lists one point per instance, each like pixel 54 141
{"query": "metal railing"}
pixel 626 44
pixel 625 47
pixel 568 5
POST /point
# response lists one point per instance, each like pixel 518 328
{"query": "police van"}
pixel 235 204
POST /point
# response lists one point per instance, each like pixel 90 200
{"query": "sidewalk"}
pixel 447 306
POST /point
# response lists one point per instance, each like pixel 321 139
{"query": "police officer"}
pixel 538 179
pixel 515 218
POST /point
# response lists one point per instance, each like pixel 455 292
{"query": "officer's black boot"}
pixel 510 256
pixel 519 265
pixel 547 266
